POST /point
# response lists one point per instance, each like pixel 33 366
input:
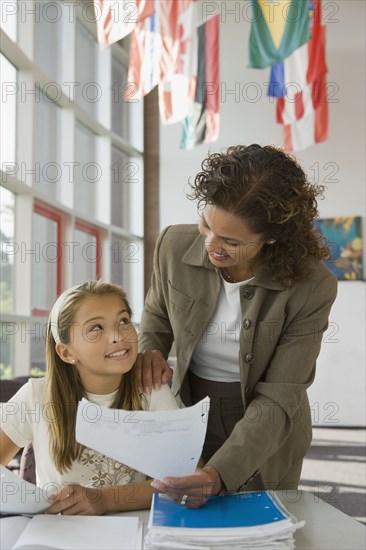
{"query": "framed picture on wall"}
pixel 344 236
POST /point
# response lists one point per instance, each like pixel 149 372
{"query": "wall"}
pixel 338 162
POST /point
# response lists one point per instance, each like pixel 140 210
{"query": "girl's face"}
pixel 228 239
pixel 103 343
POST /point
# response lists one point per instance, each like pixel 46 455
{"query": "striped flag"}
pixel 203 122
pixel 174 50
pixel 278 28
pixel 144 67
pixel 163 50
pixel 299 83
pixel 116 19
pixel 313 126
pixel 178 23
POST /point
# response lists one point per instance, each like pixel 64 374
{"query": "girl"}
pixel 91 349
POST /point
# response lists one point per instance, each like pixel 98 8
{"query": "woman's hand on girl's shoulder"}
pixel 152 370
pixel 74 499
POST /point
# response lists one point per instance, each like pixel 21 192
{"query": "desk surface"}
pixel 326 528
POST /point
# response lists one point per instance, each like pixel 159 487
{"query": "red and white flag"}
pixel 300 84
pixel 164 51
pixel 178 25
pixel 203 121
pixel 117 18
pixel 145 49
pixel 312 127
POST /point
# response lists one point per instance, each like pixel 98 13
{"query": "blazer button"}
pixel 246 324
pixel 249 358
pixel 248 293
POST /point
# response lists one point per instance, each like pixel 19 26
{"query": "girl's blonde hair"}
pixel 63 388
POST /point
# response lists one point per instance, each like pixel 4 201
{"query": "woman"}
pixel 245 297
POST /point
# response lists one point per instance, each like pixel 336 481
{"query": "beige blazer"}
pixel 280 340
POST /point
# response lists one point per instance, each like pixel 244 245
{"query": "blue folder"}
pixel 237 510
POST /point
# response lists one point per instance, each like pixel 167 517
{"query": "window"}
pixel 87 88
pixel 8 21
pixel 71 172
pixel 46 33
pixel 87 171
pixel 7 350
pixel 47 135
pixel 46 283
pixel 8 81
pixel 8 250
pixel 120 108
pixel 122 171
pixel 87 253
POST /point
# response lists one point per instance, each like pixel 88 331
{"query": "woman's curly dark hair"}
pixel 269 189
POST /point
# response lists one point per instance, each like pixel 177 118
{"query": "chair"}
pixel 28 464
pixel 24 460
pixel 8 388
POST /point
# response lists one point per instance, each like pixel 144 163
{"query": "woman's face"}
pixel 228 240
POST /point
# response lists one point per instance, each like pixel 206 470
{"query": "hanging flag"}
pixel 302 106
pixel 178 25
pixel 163 46
pixel 202 123
pixel 144 66
pixel 164 50
pixel 116 19
pixel 305 64
pixel 278 28
pixel 313 127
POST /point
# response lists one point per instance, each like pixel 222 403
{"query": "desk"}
pixel 326 528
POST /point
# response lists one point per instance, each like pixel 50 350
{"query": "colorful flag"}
pixel 116 19
pixel 305 64
pixel 278 28
pixel 202 123
pixel 299 82
pixel 178 24
pixel 163 50
pixel 313 126
pixel 144 67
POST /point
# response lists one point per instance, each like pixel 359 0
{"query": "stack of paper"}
pixel 242 520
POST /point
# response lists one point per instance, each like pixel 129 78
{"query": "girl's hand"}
pixel 152 371
pixel 191 491
pixel 74 499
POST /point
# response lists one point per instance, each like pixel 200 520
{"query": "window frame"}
pixel 95 232
pixel 50 214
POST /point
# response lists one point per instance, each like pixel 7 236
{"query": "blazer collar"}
pixel 197 255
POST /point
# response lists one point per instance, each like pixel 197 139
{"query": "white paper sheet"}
pixel 19 496
pixel 158 444
pixel 71 532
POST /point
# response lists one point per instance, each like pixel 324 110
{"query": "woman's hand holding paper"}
pixel 192 491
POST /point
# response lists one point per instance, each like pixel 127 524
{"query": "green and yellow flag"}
pixel 278 28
